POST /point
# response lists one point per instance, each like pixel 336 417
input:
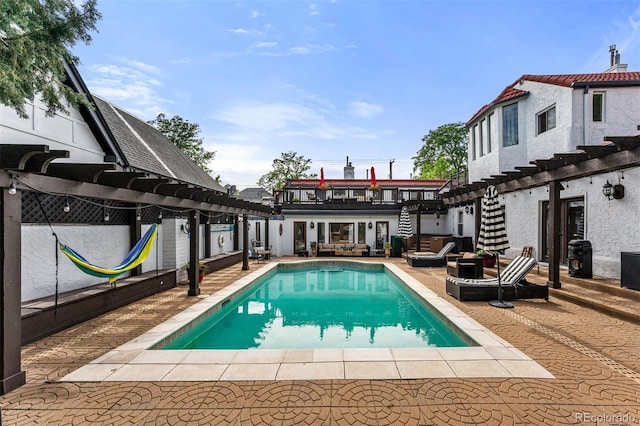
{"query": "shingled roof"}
pixel 147 149
pixel 611 79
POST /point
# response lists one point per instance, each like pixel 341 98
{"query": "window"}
pixel 362 233
pixel 480 138
pixel 510 125
pixel 489 132
pixel 321 233
pixel 546 120
pixel 473 142
pixel 341 232
pixel 598 106
pixel 460 221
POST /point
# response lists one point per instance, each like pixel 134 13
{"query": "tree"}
pixel 288 166
pixel 444 152
pixel 184 135
pixel 34 39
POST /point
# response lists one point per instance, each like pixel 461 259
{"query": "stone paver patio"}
pixel 595 360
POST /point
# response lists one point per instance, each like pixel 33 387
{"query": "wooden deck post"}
pixel 11 375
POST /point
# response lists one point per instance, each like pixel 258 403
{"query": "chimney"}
pixel 349 172
pixel 615 66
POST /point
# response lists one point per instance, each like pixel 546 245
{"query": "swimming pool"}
pixel 139 361
pixel 322 304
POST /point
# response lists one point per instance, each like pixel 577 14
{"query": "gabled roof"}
pixel 253 194
pixel 147 149
pixel 612 79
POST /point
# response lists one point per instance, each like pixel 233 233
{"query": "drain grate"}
pixel 595 355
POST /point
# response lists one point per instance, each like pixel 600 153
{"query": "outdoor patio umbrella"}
pixel 322 185
pixel 493 235
pixel 374 183
pixel 404 227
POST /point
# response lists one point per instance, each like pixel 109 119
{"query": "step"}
pixel 597 293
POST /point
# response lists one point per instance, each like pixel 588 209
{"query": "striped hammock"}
pixel 136 256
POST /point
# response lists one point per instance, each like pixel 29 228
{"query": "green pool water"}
pixel 321 307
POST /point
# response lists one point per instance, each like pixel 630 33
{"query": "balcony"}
pixel 351 197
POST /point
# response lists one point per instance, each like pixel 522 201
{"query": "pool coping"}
pixel 134 361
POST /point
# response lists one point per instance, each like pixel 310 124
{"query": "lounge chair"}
pixel 511 279
pixel 424 259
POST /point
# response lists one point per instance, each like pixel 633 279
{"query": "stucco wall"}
pixel 101 245
pixel 612 226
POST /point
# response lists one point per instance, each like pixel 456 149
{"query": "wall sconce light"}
pixel 370 225
pixel 312 225
pixel 613 191
pixel 468 209
pixel 12 186
pixel 185 228
pixel 607 190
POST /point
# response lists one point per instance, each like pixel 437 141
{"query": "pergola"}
pixel 617 153
pixel 32 168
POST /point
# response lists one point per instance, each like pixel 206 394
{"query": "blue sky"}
pixel 329 79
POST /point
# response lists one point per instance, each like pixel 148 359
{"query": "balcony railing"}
pixel 388 196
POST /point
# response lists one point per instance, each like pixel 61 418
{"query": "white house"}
pixel 538 117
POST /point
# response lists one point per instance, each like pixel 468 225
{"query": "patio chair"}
pixel 511 279
pixel 428 259
pixel 527 251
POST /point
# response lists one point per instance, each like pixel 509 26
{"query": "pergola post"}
pixel 11 375
pixel 418 228
pixel 554 230
pixel 135 233
pixel 266 233
pixel 207 236
pixel 194 255
pixel 245 242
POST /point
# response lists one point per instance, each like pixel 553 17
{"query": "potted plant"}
pixel 202 268
pixel 313 248
pixel 387 249
pixel 488 260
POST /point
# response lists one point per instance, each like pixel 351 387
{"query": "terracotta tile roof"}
pixel 568 80
pixel 565 80
pixel 343 183
pixel 506 95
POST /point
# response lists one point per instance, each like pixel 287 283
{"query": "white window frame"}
pixel 549 124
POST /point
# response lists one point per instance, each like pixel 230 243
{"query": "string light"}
pixel 67 208
pixel 12 186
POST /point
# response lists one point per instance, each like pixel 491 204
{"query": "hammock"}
pixel 136 256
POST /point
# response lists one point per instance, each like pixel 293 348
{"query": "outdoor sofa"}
pixel 342 249
pixel 512 281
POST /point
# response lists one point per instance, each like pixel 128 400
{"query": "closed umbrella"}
pixel 404 227
pixel 493 235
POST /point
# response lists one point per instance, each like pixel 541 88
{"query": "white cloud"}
pixel 364 109
pixel 131 84
pixel 255 14
pixel 264 44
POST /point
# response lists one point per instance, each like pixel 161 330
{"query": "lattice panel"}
pixel 81 211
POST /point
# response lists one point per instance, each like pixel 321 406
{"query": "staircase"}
pixel 601 294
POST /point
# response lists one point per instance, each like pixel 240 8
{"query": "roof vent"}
pixel 615 65
pixel 349 172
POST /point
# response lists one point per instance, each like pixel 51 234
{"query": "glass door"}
pixel 299 237
pixel 382 234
